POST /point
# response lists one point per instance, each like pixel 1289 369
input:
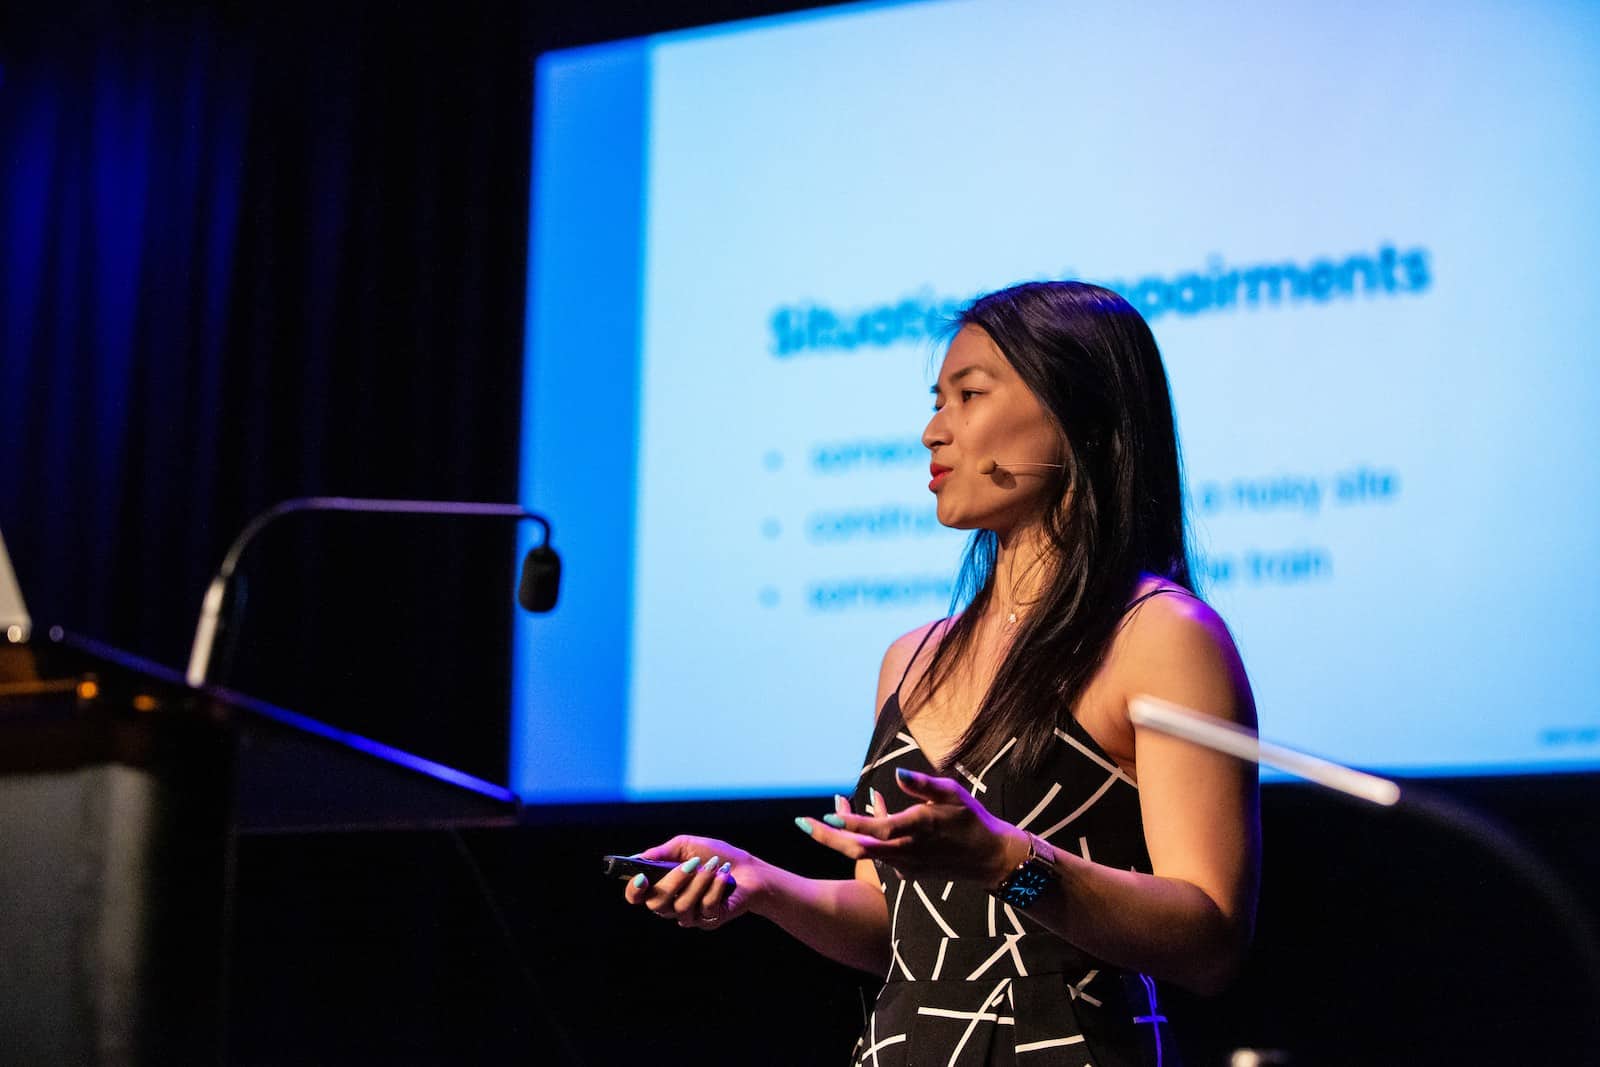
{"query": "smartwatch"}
pixel 1032 879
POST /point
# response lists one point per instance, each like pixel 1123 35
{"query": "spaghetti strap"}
pixel 1141 598
pixel 907 672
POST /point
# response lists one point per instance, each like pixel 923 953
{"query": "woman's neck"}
pixel 1019 574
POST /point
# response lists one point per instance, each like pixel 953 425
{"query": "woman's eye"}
pixel 964 394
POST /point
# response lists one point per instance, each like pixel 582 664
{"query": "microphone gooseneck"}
pixel 541 569
pixel 1438 812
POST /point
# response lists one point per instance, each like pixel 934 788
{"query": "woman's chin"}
pixel 957 518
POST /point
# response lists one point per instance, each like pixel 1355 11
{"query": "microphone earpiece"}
pixel 988 466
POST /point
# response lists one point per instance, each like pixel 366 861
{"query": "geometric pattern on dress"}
pixel 971 982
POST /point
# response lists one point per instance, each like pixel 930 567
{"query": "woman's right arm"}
pixel 847 920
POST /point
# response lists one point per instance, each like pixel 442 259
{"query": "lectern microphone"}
pixel 541 568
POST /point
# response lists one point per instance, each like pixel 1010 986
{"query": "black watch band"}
pixel 1032 879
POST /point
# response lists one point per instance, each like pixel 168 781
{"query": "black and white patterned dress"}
pixel 970 980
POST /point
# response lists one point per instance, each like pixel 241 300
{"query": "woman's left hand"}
pixel 948 835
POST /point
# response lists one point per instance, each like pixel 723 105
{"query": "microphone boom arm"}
pixel 1208 732
pixel 205 633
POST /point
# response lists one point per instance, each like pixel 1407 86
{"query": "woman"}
pixel 1028 864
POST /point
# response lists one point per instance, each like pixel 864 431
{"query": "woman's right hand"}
pixel 713 884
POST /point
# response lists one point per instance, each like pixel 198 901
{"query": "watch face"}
pixel 1026 884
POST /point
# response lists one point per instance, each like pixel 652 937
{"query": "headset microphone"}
pixel 989 466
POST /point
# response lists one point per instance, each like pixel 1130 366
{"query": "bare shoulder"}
pixel 1175 646
pixel 897 660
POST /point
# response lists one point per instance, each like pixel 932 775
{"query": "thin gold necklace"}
pixel 1014 613
pixel 1013 616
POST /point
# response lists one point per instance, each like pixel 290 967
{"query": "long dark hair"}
pixel 1113 513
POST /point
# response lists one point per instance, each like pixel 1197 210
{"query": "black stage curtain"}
pixel 266 252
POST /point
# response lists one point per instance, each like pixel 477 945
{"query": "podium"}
pixel 122 790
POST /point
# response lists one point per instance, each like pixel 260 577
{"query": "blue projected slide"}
pixel 1364 238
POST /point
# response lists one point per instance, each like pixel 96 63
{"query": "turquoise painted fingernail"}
pixel 640 881
pixel 690 864
pixel 725 868
pixel 840 804
pixel 713 861
pixel 805 824
pixel 834 820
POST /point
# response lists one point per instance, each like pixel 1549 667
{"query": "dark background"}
pixel 255 251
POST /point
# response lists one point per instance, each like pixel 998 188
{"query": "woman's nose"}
pixel 935 433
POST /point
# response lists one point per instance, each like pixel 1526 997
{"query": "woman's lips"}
pixel 939 475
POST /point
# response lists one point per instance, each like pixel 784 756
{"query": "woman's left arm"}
pixel 1191 920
